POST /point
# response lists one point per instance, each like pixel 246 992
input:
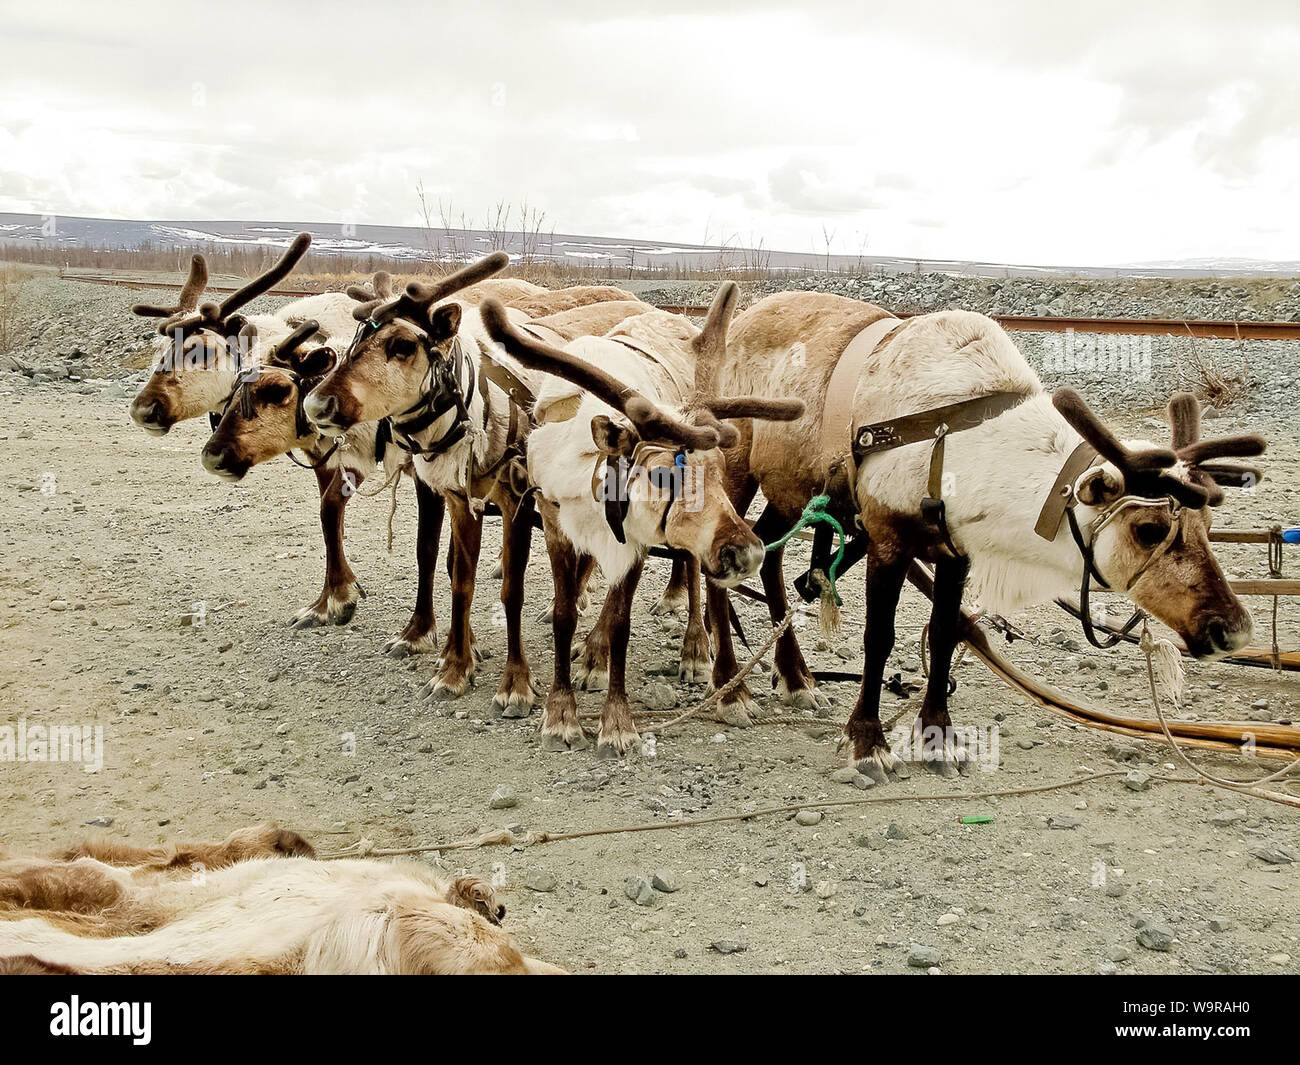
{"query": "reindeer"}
pixel 619 406
pixel 258 902
pixel 462 414
pixel 937 439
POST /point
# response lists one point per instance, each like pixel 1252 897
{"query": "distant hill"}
pixel 409 243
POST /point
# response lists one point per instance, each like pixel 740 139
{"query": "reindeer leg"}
pixel 792 678
pixel 870 753
pixel 560 728
pixel 695 660
pixel 676 597
pixel 456 668
pixel 593 656
pixel 737 706
pixel 516 694
pixel 337 601
pixel 586 568
pixel 421 632
pixel 934 734
pixel 618 734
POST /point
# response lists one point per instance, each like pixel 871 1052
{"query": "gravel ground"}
pixel 111 538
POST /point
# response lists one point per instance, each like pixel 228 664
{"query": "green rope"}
pixel 814 512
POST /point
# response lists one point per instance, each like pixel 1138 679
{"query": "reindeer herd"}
pixel 620 428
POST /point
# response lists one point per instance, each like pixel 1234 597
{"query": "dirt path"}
pixel 240 719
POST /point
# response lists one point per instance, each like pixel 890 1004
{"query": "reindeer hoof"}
pixel 807 697
pixel 515 697
pixel 497 572
pixel 558 742
pixel 404 646
pixel 670 605
pixel 617 744
pixel 878 765
pixel 310 617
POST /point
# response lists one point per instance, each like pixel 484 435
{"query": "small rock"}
pixel 100 822
pixel 59 604
pixel 808 818
pixel 1279 959
pixel 896 831
pixel 282 729
pixel 540 880
pixel 1064 821
pixel 638 889
pixel 1137 780
pixel 1219 924
pixel 948 918
pixel 727 946
pixel 1273 855
pixel 1155 936
pixel 503 798
pixel 664 880
pixel 922 957
pixel 824 889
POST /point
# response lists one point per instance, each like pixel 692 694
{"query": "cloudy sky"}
pixel 1014 132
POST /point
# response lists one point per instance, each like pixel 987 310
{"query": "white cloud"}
pixel 1015 132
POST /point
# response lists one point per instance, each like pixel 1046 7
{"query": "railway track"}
pixel 1200 328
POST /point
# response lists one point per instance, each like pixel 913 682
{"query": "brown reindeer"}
pixel 258 902
pixel 936 438
pixel 626 456
pixel 426 364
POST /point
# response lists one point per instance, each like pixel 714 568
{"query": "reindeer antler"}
pixel 283 352
pixel 651 422
pixel 189 297
pixel 420 295
pixel 1143 471
pixel 267 281
pixel 1185 421
pixel 379 290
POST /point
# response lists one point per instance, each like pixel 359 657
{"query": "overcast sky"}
pixel 1003 131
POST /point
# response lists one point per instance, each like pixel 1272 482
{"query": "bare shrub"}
pixel 1210 380
pixel 11 280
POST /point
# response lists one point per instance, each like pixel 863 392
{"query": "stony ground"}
pixel 110 539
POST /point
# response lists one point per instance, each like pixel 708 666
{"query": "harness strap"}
pixel 1058 499
pixel 837 415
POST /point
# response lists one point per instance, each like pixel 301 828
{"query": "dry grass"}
pixel 1210 380
pixel 10 305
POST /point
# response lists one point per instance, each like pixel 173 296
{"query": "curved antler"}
pixel 263 283
pixel 379 289
pixel 189 297
pixel 420 295
pixel 651 422
pixel 711 344
pixel 1143 471
pixel 283 352
pixel 1185 420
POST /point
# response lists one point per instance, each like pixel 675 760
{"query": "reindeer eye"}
pixel 275 392
pixel 401 348
pixel 1151 534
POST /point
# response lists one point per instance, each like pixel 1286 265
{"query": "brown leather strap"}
pixel 837 415
pixel 1049 518
pixel 544 333
pixel 931 424
pixel 509 383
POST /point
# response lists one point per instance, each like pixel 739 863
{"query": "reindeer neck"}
pixel 1004 474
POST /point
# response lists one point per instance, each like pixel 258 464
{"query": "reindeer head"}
pixel 265 416
pixel 662 476
pixel 399 353
pixel 1148 512
pixel 204 347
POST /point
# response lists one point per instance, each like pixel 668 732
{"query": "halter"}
pixel 1090 570
pixel 614 486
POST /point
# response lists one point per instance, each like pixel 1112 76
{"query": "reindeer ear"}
pixel 611 437
pixel 1098 486
pixel 444 322
pixel 315 362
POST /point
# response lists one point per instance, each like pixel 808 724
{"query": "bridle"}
pixel 442 391
pixel 1104 517
pixel 611 485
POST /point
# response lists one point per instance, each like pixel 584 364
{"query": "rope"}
pixel 506 838
pixel 813 513
pixel 392 482
pixel 1149 644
